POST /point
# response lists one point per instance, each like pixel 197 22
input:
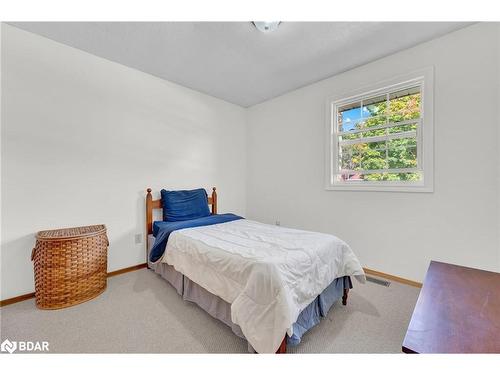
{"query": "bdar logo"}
pixel 8 346
pixel 24 346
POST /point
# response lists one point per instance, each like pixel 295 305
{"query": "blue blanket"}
pixel 162 230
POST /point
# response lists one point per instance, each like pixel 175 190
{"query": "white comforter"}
pixel 268 274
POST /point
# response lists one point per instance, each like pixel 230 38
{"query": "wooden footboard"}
pixel 282 348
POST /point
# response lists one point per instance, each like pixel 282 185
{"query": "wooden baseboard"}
pixel 10 301
pixel 128 269
pixel 392 277
pixel 24 297
pixel 369 271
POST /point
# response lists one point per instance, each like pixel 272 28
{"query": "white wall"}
pixel 396 233
pixel 83 137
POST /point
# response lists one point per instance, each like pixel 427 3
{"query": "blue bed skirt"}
pixel 312 314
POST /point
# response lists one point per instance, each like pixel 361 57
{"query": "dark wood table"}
pixel 458 311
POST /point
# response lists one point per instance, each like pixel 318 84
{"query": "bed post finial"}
pixel 214 201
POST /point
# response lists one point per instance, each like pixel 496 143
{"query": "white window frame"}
pixel 425 134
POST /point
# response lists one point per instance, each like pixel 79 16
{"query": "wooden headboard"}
pixel 157 204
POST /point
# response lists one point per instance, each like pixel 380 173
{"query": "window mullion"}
pixel 387 125
pixel 378 138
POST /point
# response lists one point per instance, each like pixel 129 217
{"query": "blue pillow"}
pixel 179 205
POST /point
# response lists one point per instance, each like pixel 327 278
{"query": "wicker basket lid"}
pixel 69 233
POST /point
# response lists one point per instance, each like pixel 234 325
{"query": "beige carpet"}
pixel 141 312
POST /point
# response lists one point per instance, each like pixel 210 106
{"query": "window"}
pixel 381 139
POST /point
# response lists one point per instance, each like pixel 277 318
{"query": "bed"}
pixel 269 284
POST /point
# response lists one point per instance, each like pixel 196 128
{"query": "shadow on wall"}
pixel 10 253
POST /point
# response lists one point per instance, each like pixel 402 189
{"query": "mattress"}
pixel 221 310
pixel 269 274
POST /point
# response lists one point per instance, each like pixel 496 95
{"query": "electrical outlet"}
pixel 138 238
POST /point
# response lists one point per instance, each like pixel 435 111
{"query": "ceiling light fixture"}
pixel 266 27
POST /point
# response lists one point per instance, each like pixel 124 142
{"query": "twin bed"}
pixel 268 283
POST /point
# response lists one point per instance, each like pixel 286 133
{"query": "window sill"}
pixel 372 187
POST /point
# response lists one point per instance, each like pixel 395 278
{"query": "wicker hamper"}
pixel 70 265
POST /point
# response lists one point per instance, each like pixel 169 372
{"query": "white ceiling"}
pixel 235 62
